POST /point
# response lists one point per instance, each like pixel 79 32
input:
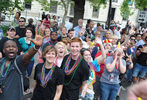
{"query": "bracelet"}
pixel 36 48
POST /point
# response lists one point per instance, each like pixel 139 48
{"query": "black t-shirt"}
pixel 49 91
pixel 20 31
pixel 71 91
pixel 4 39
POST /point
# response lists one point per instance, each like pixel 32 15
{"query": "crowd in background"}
pixel 117 55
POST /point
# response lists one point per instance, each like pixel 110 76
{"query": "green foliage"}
pixel 10 5
pixel 125 10
pixel 46 5
pixel 4 28
pixel 97 3
pixel 141 4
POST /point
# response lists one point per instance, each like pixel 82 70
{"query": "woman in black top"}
pixel 140 68
pixel 49 78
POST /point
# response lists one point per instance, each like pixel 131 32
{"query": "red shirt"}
pixel 102 65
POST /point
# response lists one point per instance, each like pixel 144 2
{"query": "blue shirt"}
pixel 1 33
pixel 77 29
pixel 140 42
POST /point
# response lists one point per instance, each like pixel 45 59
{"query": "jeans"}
pixel 30 67
pixel 89 97
pixel 139 70
pixel 129 75
pixel 108 91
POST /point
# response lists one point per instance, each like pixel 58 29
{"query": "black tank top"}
pixel 142 59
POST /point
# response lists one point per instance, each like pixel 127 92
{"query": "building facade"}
pixel 97 15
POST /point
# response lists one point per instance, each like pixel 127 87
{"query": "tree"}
pixel 140 4
pixel 66 6
pixel 125 10
pixel 9 5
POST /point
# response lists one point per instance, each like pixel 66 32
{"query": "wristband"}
pixel 36 48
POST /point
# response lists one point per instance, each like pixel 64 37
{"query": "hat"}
pixel 11 29
pixel 107 42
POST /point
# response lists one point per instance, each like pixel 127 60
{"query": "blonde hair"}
pixel 64 46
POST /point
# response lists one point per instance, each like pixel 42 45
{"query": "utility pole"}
pixel 109 13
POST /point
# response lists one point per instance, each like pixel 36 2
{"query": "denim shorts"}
pixel 140 71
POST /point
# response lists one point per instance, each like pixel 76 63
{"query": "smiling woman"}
pixel 61 52
pixel 48 77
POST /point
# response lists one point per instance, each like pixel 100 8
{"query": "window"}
pixel 28 4
pixel 130 2
pixel 95 13
pixel 115 1
pixel 53 6
pixel 71 9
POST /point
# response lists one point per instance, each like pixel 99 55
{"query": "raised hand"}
pixel 38 37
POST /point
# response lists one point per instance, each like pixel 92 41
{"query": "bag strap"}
pixel 22 85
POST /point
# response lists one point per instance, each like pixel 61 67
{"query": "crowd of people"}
pixel 74 63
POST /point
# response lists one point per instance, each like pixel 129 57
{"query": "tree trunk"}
pixel 109 13
pixel 66 6
pixel 78 11
pixel 0 16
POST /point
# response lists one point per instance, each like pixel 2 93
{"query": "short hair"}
pixel 70 30
pixel 10 41
pixel 64 46
pixel 71 20
pixel 98 24
pixel 83 50
pixel 19 13
pixel 48 49
pixel 30 21
pixel 76 40
pixel 23 18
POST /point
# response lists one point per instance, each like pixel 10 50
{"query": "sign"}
pixel 142 17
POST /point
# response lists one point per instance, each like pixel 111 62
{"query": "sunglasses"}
pixel 21 21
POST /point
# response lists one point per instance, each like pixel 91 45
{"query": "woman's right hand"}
pixel 1 91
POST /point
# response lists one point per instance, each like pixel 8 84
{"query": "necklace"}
pixel 74 71
pixel 3 75
pixel 66 66
pixel 44 79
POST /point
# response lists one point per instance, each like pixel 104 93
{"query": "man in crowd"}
pixel 13 68
pixel 21 29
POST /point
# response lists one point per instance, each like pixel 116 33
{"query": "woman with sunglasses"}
pixel 48 77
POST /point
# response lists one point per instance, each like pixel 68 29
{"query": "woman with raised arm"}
pixel 109 82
